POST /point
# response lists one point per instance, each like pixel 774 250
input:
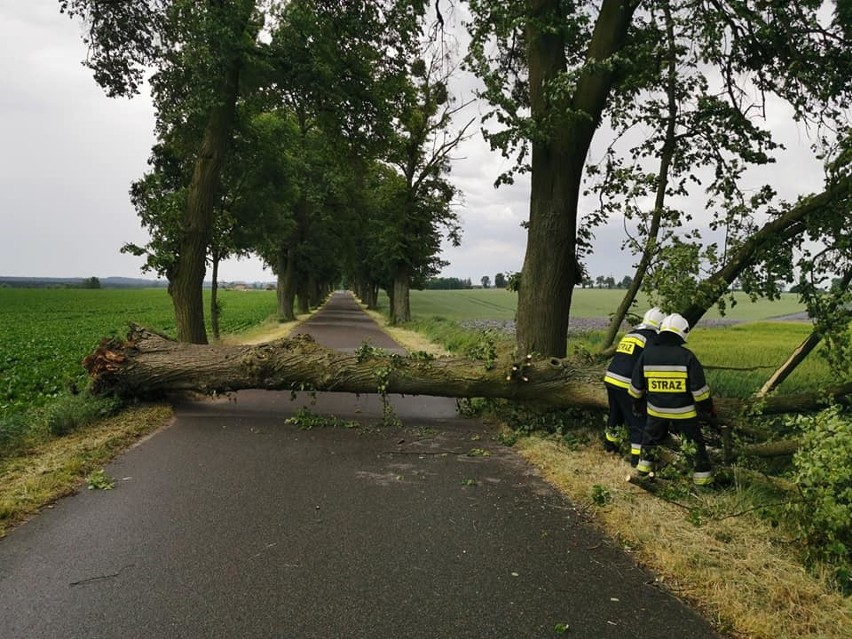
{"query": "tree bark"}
pixel 286 286
pixel 401 306
pixel 370 296
pixel 796 357
pixel 149 364
pixel 550 264
pixel 185 286
pixel 303 297
pixel 214 297
pixel 781 448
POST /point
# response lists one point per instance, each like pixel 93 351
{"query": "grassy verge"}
pixel 729 553
pixel 409 337
pixel 268 330
pixel 715 550
pixel 58 467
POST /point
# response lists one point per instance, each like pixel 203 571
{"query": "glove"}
pixel 707 410
pixel 638 408
pixel 711 417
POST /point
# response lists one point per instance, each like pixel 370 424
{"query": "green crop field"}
pixel 739 358
pixel 500 304
pixel 45 333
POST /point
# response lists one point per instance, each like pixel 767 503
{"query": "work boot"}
pixel 703 479
pixel 610 442
pixel 635 453
pixel 644 467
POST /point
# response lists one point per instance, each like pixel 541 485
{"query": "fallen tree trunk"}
pixel 782 448
pixel 148 364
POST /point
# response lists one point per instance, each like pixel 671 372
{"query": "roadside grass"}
pixel 57 467
pixel 413 339
pixel 458 341
pixel 741 569
pixel 270 329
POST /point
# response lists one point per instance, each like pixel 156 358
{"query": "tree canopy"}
pixel 680 92
pixel 319 136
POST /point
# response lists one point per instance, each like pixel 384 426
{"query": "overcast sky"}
pixel 68 155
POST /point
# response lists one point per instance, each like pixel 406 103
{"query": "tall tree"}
pixel 216 52
pixel 339 71
pixel 196 51
pixel 559 60
pixel 422 155
pixel 561 68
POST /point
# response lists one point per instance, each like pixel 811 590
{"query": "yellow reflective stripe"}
pixel 645 466
pixel 664 374
pixel 638 340
pixel 616 381
pixel 703 478
pixel 634 392
pixel 663 414
pixel 664 368
pixel 701 394
pixel 635 449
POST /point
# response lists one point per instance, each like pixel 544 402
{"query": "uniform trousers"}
pixel 656 430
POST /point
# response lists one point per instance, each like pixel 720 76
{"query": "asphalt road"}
pixel 230 522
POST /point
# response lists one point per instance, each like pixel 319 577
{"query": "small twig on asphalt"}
pixel 99 578
pixel 415 452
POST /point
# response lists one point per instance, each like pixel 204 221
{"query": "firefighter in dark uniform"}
pixel 669 386
pixel 617 381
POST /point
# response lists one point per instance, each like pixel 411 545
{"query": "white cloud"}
pixel 68 155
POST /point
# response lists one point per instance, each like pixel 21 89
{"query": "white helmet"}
pixel 676 324
pixel 653 318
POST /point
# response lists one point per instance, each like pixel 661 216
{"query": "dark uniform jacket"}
pixel 671 379
pixel 620 370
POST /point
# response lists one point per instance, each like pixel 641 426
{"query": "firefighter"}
pixel 617 381
pixel 669 388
